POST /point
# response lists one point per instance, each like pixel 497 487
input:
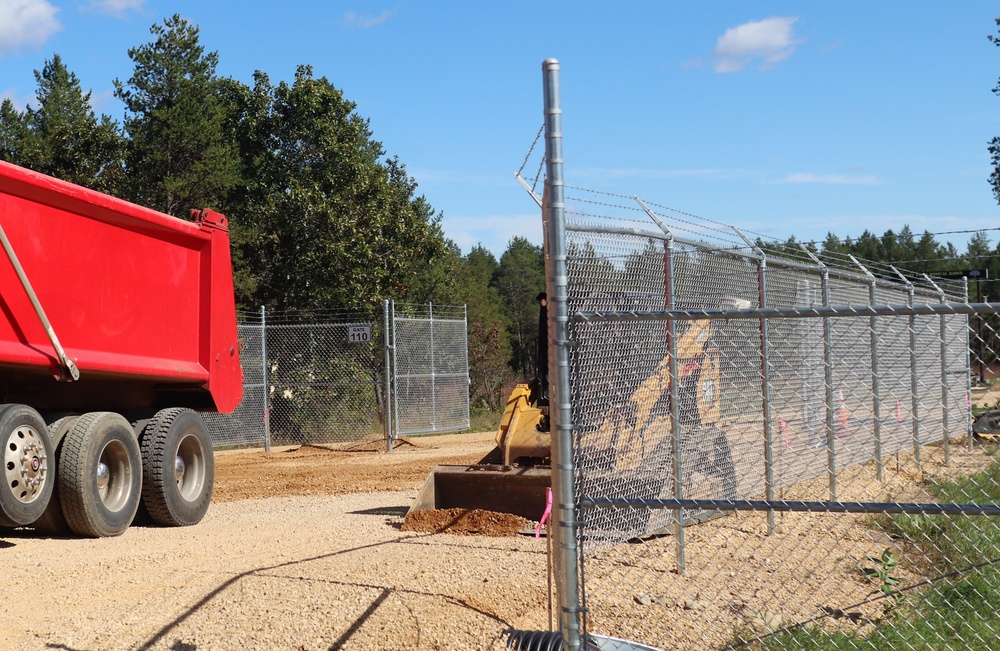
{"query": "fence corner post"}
pixel 387 402
pixel 263 363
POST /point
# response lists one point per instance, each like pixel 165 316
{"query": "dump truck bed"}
pixel 141 302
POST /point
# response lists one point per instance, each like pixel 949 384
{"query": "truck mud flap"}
pixel 520 491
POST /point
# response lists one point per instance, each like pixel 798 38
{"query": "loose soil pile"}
pixel 465 522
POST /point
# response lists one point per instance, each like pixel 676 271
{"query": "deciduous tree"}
pixel 519 278
pixel 322 220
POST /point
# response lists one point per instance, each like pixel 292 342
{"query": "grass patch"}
pixel 958 607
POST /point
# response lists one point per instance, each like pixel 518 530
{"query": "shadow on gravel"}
pixel 338 644
pixel 399 511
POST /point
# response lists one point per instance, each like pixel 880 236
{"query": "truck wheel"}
pixel 178 467
pixel 27 468
pixel 100 474
pixel 53 522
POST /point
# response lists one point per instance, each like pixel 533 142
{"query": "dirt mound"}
pixel 465 522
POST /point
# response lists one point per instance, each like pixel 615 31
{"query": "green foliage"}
pixel 62 137
pixel 924 254
pixel 961 606
pixel 14 134
pixel 178 156
pixel 881 571
pixel 320 221
pixel 519 278
pixel 489 345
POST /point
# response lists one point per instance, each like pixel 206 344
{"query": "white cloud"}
pixel 771 41
pixel 26 23
pixel 364 21
pixel 830 179
pixel 116 7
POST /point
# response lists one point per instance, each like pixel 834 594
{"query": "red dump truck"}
pixel 117 326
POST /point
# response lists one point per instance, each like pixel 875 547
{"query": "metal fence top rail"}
pixel 319 326
pixel 800 506
pixel 361 314
pixel 923 309
pixel 595 211
pixel 438 312
pixel 437 319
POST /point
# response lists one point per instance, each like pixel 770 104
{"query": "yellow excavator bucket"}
pixel 496 484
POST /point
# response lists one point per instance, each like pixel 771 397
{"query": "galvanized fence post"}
pixel 263 362
pixel 563 467
pixel 765 380
pixel 675 417
pixel 395 380
pixel 387 369
pixel 430 325
pixel 876 386
pixel 944 371
pixel 831 439
pixel 914 381
pixel 968 364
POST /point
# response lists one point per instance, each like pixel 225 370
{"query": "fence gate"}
pixel 430 366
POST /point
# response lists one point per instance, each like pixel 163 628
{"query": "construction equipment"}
pixel 514 476
pixel 118 325
pixel 640 430
pixel 986 425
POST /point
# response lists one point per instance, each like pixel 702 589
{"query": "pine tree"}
pixel 178 157
pixel 63 137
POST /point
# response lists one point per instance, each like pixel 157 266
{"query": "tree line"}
pixel 321 217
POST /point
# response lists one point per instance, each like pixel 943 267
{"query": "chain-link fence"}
pixel 757 449
pixel 431 363
pixel 323 378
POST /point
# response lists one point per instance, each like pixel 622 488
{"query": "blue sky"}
pixel 783 118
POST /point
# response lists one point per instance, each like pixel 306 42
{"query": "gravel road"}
pixel 311 571
pixel 303 549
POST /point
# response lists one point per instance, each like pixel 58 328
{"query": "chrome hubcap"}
pixel 103 476
pixel 189 468
pixel 114 476
pixel 25 464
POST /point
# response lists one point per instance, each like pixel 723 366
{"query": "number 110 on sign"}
pixel 359 334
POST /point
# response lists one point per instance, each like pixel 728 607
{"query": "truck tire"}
pixel 27 468
pixel 100 475
pixel 178 467
pixel 53 522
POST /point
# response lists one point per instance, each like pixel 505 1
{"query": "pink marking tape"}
pixel 545 516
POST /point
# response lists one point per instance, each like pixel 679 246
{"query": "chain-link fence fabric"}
pixel 431 369
pixel 773 451
pixel 322 378
pixel 246 426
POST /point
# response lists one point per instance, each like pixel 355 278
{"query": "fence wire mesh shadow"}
pixel 337 380
pixel 774 451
